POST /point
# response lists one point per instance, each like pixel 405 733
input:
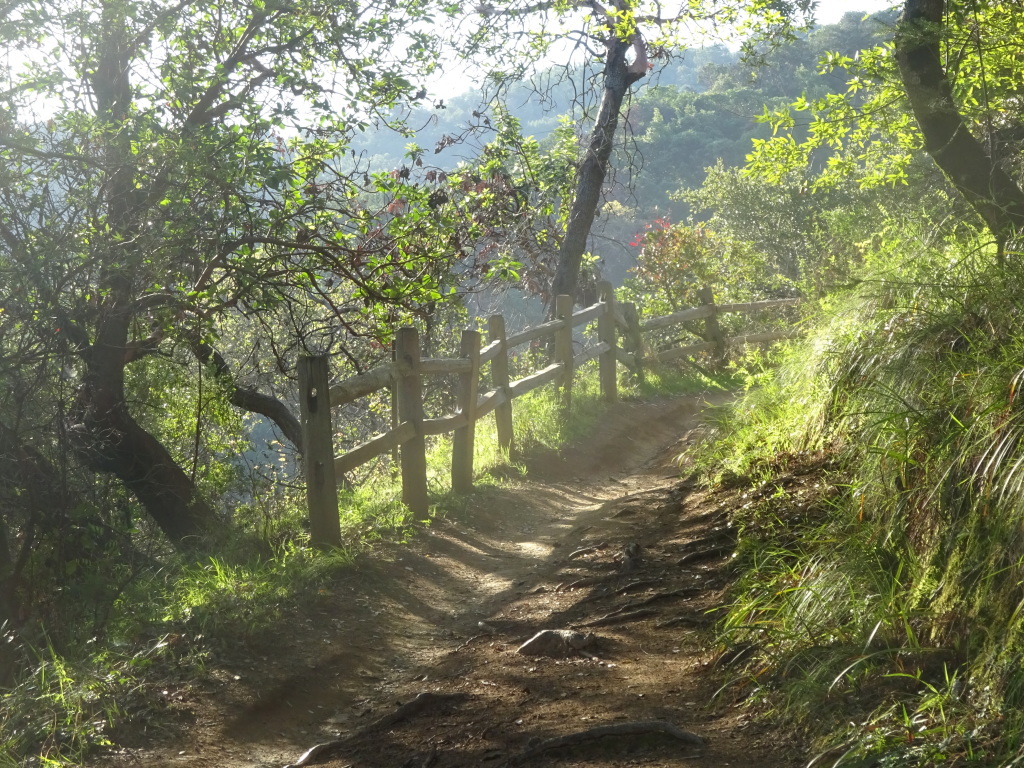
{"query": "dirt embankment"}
pixel 413 660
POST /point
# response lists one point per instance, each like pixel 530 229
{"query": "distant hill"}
pixel 696 109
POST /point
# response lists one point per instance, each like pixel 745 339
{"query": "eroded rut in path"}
pixel 603 539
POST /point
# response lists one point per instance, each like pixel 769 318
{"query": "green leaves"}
pixel 867 130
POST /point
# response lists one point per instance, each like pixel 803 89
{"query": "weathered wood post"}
pixel 500 380
pixel 410 408
pixel 606 334
pixel 318 451
pixel 634 341
pixel 711 328
pixel 393 395
pixel 563 346
pixel 462 442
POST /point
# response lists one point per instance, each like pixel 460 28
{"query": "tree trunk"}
pixel 108 439
pixel 618 77
pixel 988 188
pixel 106 436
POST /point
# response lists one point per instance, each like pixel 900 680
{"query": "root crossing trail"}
pixel 412 660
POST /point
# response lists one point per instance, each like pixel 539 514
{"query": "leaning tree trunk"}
pixel 988 188
pixel 109 439
pixel 106 436
pixel 247 398
pixel 618 77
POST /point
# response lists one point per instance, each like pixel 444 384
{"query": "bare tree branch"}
pixel 249 399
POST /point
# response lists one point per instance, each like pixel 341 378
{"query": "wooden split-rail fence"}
pixel 404 375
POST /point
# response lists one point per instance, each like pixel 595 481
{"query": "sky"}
pixel 830 11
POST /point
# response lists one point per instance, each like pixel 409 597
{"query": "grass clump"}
pixel 887 619
pixel 68 704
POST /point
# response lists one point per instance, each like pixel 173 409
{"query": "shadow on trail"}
pixel 404 612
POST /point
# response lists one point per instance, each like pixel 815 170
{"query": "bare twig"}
pixel 616 617
pixel 424 701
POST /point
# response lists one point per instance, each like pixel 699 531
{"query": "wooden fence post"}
pixel 318 451
pixel 500 380
pixel 563 346
pixel 396 456
pixel 606 334
pixel 711 327
pixel 462 441
pixel 410 408
pixel 634 337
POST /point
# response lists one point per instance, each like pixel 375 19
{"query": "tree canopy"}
pixel 169 164
pixel 946 84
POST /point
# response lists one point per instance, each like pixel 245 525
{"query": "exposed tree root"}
pixel 684 592
pixel 635 585
pixel 685 620
pixel 630 611
pixel 720 550
pixel 587 581
pixel 709 542
pixel 598 594
pixel 615 617
pixel 427 762
pixel 426 700
pixel 605 731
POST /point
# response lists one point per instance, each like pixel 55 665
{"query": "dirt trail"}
pixel 445 615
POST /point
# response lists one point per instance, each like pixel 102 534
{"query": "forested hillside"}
pixel 196 196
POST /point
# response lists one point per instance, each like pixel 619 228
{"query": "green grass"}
pixel 889 622
pixel 66 705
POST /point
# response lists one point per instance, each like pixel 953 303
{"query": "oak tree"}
pixel 164 164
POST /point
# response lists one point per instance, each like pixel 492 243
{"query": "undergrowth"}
pixel 886 620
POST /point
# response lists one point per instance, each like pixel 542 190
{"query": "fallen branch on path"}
pixel 587 550
pixel 605 731
pixel 426 700
pixel 615 617
pixel 470 640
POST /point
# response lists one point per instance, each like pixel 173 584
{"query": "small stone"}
pixel 557 643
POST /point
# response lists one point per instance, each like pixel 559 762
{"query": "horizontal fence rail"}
pixel 404 377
